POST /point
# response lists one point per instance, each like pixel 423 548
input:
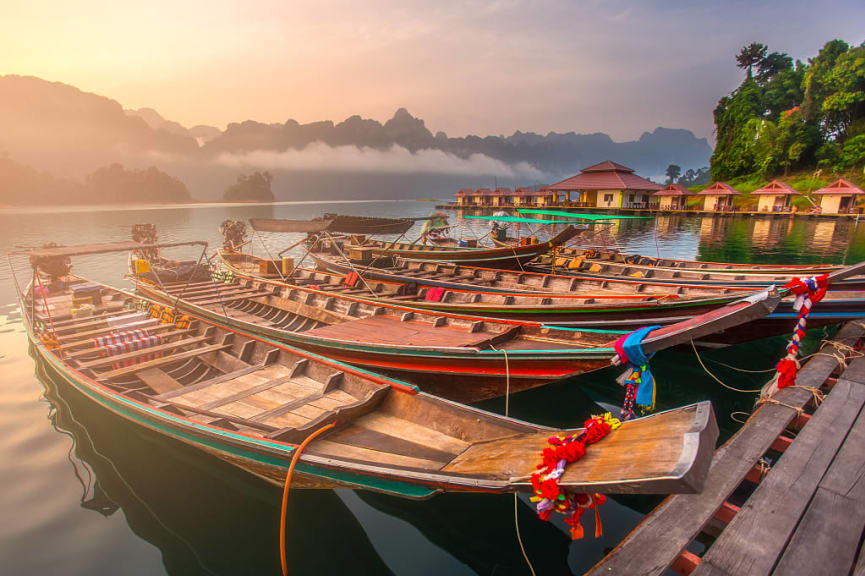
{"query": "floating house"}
pixel 673 197
pixel 607 185
pixel 838 197
pixel 484 197
pixel 775 197
pixel 718 197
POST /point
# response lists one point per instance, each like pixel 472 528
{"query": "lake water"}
pixel 84 492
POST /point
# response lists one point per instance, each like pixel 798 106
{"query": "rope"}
pixel 519 538
pixel 285 490
pixel 718 380
pixel 769 400
pixel 350 265
pixel 817 395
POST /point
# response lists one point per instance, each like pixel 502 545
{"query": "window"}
pixel 631 198
pixel 608 198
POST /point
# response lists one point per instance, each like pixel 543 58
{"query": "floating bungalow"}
pixel 718 197
pixel 775 197
pixel 607 185
pixel 839 197
pixel 484 197
pixel 673 197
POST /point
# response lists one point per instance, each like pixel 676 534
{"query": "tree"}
pixel 772 65
pixel 252 188
pixel 750 56
pixel 814 82
pixel 844 102
pixel 673 172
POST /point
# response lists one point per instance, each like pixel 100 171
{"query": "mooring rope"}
pixel 718 380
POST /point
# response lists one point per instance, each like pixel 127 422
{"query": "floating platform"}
pixel 634 211
pixel 785 495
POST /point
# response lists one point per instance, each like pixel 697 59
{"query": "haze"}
pixel 482 68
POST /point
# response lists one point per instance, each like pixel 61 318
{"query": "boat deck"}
pixel 785 495
pixel 387 329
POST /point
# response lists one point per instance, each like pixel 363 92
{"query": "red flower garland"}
pixel 545 483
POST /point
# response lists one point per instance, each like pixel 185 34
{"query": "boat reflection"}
pixel 205 516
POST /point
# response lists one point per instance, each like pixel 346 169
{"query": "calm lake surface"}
pixel 84 492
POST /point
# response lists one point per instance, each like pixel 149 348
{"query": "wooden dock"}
pixel 472 208
pixel 785 495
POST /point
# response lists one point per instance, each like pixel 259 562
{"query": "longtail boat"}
pixel 501 257
pixel 649 263
pixel 555 300
pixel 464 358
pixel 739 279
pixel 252 401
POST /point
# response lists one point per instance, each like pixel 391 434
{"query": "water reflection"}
pixel 205 516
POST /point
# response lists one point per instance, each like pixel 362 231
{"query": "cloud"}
pixel 319 157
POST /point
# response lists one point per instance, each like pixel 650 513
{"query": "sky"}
pixel 464 67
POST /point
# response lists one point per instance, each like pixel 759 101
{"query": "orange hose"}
pixel 294 460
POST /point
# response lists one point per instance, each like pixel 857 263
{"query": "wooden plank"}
pixel 755 539
pixel 218 415
pixel 161 361
pixel 98 363
pixel 244 393
pixel 338 450
pixel 653 545
pixel 211 381
pixel 413 432
pixel 158 380
pixel 828 536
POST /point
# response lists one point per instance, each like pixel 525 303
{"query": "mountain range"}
pixel 60 129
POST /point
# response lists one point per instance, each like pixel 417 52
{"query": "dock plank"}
pixel 653 545
pixel 828 535
pixel 756 537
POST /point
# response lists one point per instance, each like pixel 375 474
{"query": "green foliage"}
pixel 790 117
pixel 699 177
pixel 252 188
pixel 852 154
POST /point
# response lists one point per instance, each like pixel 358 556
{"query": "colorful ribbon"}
pixel 640 385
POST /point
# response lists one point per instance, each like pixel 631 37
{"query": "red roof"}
pixel 719 189
pixel 776 188
pixel 503 191
pixel 606 176
pixel 529 192
pixel 466 192
pixel 607 166
pixel 483 192
pixel 842 187
pixel 673 190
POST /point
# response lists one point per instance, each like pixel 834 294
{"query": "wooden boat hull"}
pixel 833 309
pixel 468 375
pixel 734 281
pixel 505 258
pixel 477 451
pixel 652 263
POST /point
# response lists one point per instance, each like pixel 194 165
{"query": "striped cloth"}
pixel 128 341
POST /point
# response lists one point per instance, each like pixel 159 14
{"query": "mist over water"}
pixel 83 492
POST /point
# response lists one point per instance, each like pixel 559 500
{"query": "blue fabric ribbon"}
pixel 633 348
